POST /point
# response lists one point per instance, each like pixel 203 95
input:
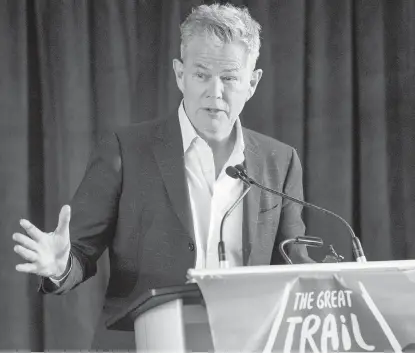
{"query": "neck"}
pixel 222 150
pixel 223 145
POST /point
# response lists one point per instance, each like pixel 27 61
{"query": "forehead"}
pixel 211 53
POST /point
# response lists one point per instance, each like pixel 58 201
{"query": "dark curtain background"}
pixel 339 85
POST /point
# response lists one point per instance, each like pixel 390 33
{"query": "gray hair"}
pixel 226 22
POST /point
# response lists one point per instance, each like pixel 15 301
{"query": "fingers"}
pixel 27 254
pixel 64 218
pixel 26 241
pixel 28 268
pixel 31 230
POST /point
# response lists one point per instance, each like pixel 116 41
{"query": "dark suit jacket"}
pixel 133 200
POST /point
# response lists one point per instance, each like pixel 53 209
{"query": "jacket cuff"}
pixel 51 285
pixel 60 280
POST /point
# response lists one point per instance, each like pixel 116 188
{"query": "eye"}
pixel 200 75
pixel 229 78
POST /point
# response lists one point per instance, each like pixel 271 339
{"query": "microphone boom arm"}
pixel 306 204
pixel 356 245
pixel 221 245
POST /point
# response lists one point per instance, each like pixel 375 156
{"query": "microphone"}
pixel 223 263
pixel 305 240
pixel 234 173
pixel 238 171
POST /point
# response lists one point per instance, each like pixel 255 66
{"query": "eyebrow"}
pixel 201 66
pixel 232 69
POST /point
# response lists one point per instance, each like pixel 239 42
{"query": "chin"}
pixel 217 134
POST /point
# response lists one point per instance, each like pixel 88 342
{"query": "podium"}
pixel 167 319
pixel 359 307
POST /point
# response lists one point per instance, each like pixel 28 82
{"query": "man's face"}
pixel 216 80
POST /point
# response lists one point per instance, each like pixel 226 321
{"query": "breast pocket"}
pixel 269 202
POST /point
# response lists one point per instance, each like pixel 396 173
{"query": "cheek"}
pixel 187 86
pixel 237 99
pixel 192 87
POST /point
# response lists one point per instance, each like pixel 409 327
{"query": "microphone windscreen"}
pixel 232 172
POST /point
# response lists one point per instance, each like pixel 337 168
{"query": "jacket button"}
pixel 191 246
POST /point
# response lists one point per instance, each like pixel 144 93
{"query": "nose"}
pixel 215 88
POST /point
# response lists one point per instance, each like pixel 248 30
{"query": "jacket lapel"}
pixel 168 151
pixel 254 166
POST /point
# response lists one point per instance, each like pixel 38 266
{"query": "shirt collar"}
pixel 189 133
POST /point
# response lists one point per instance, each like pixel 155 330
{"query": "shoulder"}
pixel 268 146
pixel 140 135
pixel 281 164
pixel 146 129
pixel 115 142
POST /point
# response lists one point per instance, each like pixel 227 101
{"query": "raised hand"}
pixel 47 253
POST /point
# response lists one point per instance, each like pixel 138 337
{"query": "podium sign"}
pixel 341 307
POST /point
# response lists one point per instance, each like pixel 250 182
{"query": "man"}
pixel 155 193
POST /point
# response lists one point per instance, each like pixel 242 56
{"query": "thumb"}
pixel 64 218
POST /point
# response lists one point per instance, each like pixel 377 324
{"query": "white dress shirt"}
pixel 210 198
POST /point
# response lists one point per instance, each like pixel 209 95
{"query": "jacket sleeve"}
pixel 73 278
pixel 291 224
pixel 94 210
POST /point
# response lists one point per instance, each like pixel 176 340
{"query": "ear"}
pixel 178 71
pixel 253 83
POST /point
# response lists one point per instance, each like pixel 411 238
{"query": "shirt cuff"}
pixel 60 280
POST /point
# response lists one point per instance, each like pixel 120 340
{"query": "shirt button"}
pixel 191 246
